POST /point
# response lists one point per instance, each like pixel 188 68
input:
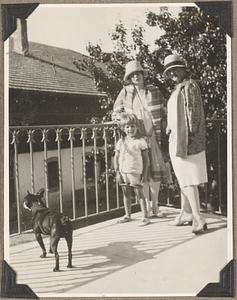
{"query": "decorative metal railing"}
pixel 84 180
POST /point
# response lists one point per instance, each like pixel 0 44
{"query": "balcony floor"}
pixel 127 260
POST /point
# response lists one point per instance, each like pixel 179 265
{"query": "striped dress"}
pixel 147 105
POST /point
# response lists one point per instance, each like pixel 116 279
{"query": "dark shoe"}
pixel 200 227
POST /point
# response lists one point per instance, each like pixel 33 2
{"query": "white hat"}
pixel 131 67
pixel 173 61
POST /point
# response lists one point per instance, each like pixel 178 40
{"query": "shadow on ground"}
pixel 100 252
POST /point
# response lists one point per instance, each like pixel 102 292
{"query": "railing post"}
pixel 117 187
pixel 45 140
pixel 105 132
pixel 58 141
pixel 71 138
pixel 83 138
pixel 94 137
pixel 219 168
pixel 31 141
pixel 14 142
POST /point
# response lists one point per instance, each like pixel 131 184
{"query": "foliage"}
pixel 200 40
pixel 100 158
pixel 100 154
pixel 193 34
pixel 111 177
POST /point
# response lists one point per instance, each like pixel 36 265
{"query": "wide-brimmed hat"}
pixel 173 61
pixel 131 67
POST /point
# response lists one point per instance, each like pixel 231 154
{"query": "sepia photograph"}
pixel 118 150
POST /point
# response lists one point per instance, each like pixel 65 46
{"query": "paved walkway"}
pixel 127 260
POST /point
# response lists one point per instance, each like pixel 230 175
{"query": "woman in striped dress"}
pixel 146 103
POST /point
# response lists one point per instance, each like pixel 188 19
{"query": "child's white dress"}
pixel 130 154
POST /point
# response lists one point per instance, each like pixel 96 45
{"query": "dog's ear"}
pixel 25 206
pixel 41 192
pixel 28 192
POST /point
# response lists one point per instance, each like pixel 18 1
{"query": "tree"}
pixel 193 34
pixel 200 40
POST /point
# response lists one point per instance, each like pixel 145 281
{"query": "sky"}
pixel 74 26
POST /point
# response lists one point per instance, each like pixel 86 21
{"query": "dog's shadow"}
pixel 114 254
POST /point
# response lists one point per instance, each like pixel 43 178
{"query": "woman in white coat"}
pixel 186 129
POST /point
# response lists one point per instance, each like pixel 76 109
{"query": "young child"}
pixel 131 163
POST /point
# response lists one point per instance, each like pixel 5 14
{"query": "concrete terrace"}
pixel 127 260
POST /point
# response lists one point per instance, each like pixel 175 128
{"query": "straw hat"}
pixel 131 67
pixel 173 61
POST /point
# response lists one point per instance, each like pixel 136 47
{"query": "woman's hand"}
pixel 119 177
pixel 144 178
pixel 168 130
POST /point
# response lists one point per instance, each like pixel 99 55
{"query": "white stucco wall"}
pixel 39 176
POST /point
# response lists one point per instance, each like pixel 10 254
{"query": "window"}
pixel 90 170
pixel 53 178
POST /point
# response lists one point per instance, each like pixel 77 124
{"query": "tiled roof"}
pixel 50 69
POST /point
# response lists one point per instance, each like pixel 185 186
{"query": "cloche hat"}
pixel 131 67
pixel 173 61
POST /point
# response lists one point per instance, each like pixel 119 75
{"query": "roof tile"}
pixel 51 69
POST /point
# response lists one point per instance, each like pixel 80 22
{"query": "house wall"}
pixel 39 176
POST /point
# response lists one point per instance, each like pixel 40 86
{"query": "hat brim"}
pixel 130 73
pixel 172 67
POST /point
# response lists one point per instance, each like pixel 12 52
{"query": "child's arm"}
pixel 146 163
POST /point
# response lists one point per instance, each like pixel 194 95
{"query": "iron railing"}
pixel 84 160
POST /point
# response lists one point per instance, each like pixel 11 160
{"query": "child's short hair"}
pixel 128 119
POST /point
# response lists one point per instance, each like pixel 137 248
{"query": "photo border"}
pixel 226 286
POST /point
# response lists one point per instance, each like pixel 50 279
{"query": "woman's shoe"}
pixel 182 220
pixel 136 186
pixel 125 219
pixel 199 226
pixel 145 222
pixel 158 214
pixel 123 184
